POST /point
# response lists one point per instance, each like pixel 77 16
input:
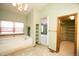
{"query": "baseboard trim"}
pixel 53 51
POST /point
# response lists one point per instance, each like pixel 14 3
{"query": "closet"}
pixel 67 30
pixel 67 33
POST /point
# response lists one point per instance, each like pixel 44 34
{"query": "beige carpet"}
pixel 66 49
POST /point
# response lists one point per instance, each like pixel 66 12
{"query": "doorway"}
pixel 67 32
pixel 28 31
pixel 43 31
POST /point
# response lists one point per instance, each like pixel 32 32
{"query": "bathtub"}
pixel 11 44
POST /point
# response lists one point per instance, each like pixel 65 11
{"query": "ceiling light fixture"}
pixel 20 6
pixel 71 17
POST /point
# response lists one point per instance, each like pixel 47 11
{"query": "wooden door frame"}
pixel 58 32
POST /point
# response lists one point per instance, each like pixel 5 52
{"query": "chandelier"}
pixel 21 6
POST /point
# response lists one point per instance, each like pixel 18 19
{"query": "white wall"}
pixel 6 15
pixel 32 20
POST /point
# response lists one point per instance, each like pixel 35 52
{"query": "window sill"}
pixel 12 34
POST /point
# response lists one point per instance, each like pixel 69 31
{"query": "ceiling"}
pixel 9 7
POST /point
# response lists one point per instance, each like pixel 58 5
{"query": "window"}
pixel 9 27
pixel 6 27
pixel 42 28
pixel 19 27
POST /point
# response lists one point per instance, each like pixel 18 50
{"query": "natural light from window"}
pixel 6 27
pixel 9 27
pixel 19 27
